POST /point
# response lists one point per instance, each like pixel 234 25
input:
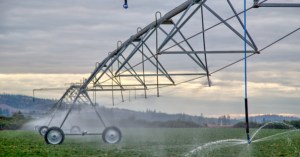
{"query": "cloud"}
pixel 46 44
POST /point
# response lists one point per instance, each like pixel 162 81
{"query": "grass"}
pixel 154 142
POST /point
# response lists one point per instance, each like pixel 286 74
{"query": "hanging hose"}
pixel 246 97
pixel 125 4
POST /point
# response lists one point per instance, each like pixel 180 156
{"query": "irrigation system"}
pixel 106 77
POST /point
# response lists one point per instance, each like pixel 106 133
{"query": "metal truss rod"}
pixel 169 36
pixel 70 109
pixel 165 71
pixel 130 67
pixel 167 16
pixel 279 5
pixel 139 85
pixel 204 46
pixel 210 28
pixel 239 59
pixel 192 48
pixel 183 23
pixel 153 56
pixel 61 99
pixel 163 74
pixel 112 83
pixel 206 52
pixel 231 28
pixel 201 66
pixel 111 63
pixel 145 37
pixel 94 106
pixel 138 78
pixel 113 89
pixel 51 120
pixel 113 78
pixel 95 72
pixel 99 84
pixel 240 21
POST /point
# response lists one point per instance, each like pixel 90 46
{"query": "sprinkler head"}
pixel 248 137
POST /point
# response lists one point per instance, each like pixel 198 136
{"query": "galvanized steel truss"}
pixel 77 94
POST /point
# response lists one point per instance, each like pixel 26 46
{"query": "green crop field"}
pixel 157 142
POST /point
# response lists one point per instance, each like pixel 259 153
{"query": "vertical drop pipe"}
pixel 118 68
pixel 112 83
pixel 143 61
pixel 144 70
pixel 157 53
pixel 246 98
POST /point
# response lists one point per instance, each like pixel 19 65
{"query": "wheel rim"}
pixel 43 131
pixel 75 130
pixel 112 136
pixel 54 137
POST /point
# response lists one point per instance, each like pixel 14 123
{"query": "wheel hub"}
pixel 112 136
pixel 54 137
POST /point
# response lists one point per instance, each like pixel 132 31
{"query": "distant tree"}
pixel 190 119
pixel 228 119
pixel 18 115
pixel 6 113
pixel 251 119
pixel 183 117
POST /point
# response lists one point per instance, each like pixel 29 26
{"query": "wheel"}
pixel 54 136
pixel 37 127
pixel 111 135
pixel 43 130
pixel 75 129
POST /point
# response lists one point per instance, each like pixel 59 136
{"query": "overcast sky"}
pixel 45 44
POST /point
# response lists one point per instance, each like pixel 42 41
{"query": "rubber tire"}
pixel 73 127
pixel 42 128
pixel 114 128
pixel 58 129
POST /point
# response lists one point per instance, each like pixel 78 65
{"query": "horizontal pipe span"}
pixel 207 52
pixel 137 85
pixel 162 74
pixel 82 134
pixel 113 89
pixel 279 5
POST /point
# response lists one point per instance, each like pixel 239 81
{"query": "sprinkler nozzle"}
pixel 248 137
pixel 125 4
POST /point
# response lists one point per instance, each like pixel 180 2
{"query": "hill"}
pixel 13 103
pixel 25 102
pixel 271 117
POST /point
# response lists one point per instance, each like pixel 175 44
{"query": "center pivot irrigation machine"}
pixel 106 78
